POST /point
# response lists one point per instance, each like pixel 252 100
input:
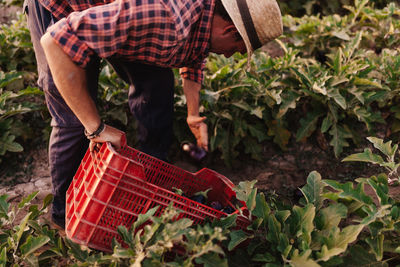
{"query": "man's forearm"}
pixel 70 80
pixel 195 122
pixel 191 90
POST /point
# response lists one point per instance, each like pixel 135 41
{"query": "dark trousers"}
pixel 150 101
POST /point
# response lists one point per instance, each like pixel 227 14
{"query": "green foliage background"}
pixel 338 76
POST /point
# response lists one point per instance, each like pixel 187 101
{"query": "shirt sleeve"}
pixel 76 49
pixel 117 28
pixel 193 73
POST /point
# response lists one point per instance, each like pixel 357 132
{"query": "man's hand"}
pixel 199 130
pixel 110 134
pixel 195 122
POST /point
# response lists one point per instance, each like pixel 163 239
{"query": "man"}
pixel 142 39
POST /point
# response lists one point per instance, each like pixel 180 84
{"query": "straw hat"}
pixel 258 21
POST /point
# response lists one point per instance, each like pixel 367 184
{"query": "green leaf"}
pixel 348 191
pixel 395 213
pixel 3 257
pixel 367 82
pixel 326 254
pixel 376 244
pixel 27 200
pixel 318 88
pixel 251 201
pixel 283 244
pixel 341 35
pixel 385 148
pixel 76 251
pixel 9 78
pixel 308 125
pixel 236 238
pixel 326 123
pixel 302 260
pixel 47 201
pixel 280 133
pixel 337 64
pixel 366 156
pixel 274 228
pixel 312 191
pixel 32 260
pixel 282 215
pixel 226 222
pixel 338 241
pixel 4 206
pixel 211 260
pixel 244 190
pixel 331 216
pixel 124 253
pixel 48 254
pixel 353 45
pixel 258 131
pixel 258 112
pixel 339 99
pixel 358 256
pixel 262 209
pixel 149 231
pixel 289 101
pixel 21 228
pixel 306 215
pixel 338 141
pixel 374 214
pixel 142 218
pixel 266 257
pixel 381 190
pixel 242 105
pixel 253 148
pixel 303 77
pixel 7 144
pixel 32 244
pixel 221 73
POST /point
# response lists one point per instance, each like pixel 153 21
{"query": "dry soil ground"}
pixel 281 172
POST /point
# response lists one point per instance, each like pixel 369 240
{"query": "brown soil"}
pixel 283 172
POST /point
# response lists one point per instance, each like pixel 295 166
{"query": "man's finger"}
pixel 93 146
pixel 203 136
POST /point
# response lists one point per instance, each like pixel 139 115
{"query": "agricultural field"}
pixel 308 133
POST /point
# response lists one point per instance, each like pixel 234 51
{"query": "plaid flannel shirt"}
pixel 166 33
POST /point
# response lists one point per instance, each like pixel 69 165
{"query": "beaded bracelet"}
pixel 95 133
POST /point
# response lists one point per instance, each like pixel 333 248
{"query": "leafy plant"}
pixel 330 81
pixel 23 242
pixel 148 244
pixel 11 106
pixel 388 162
pixel 308 7
pixel 333 222
pixel 16 47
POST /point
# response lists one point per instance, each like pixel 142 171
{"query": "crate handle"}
pixel 92 153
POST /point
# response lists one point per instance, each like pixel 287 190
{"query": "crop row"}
pixel 337 76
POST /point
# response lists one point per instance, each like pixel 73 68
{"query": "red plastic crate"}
pixel 112 188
